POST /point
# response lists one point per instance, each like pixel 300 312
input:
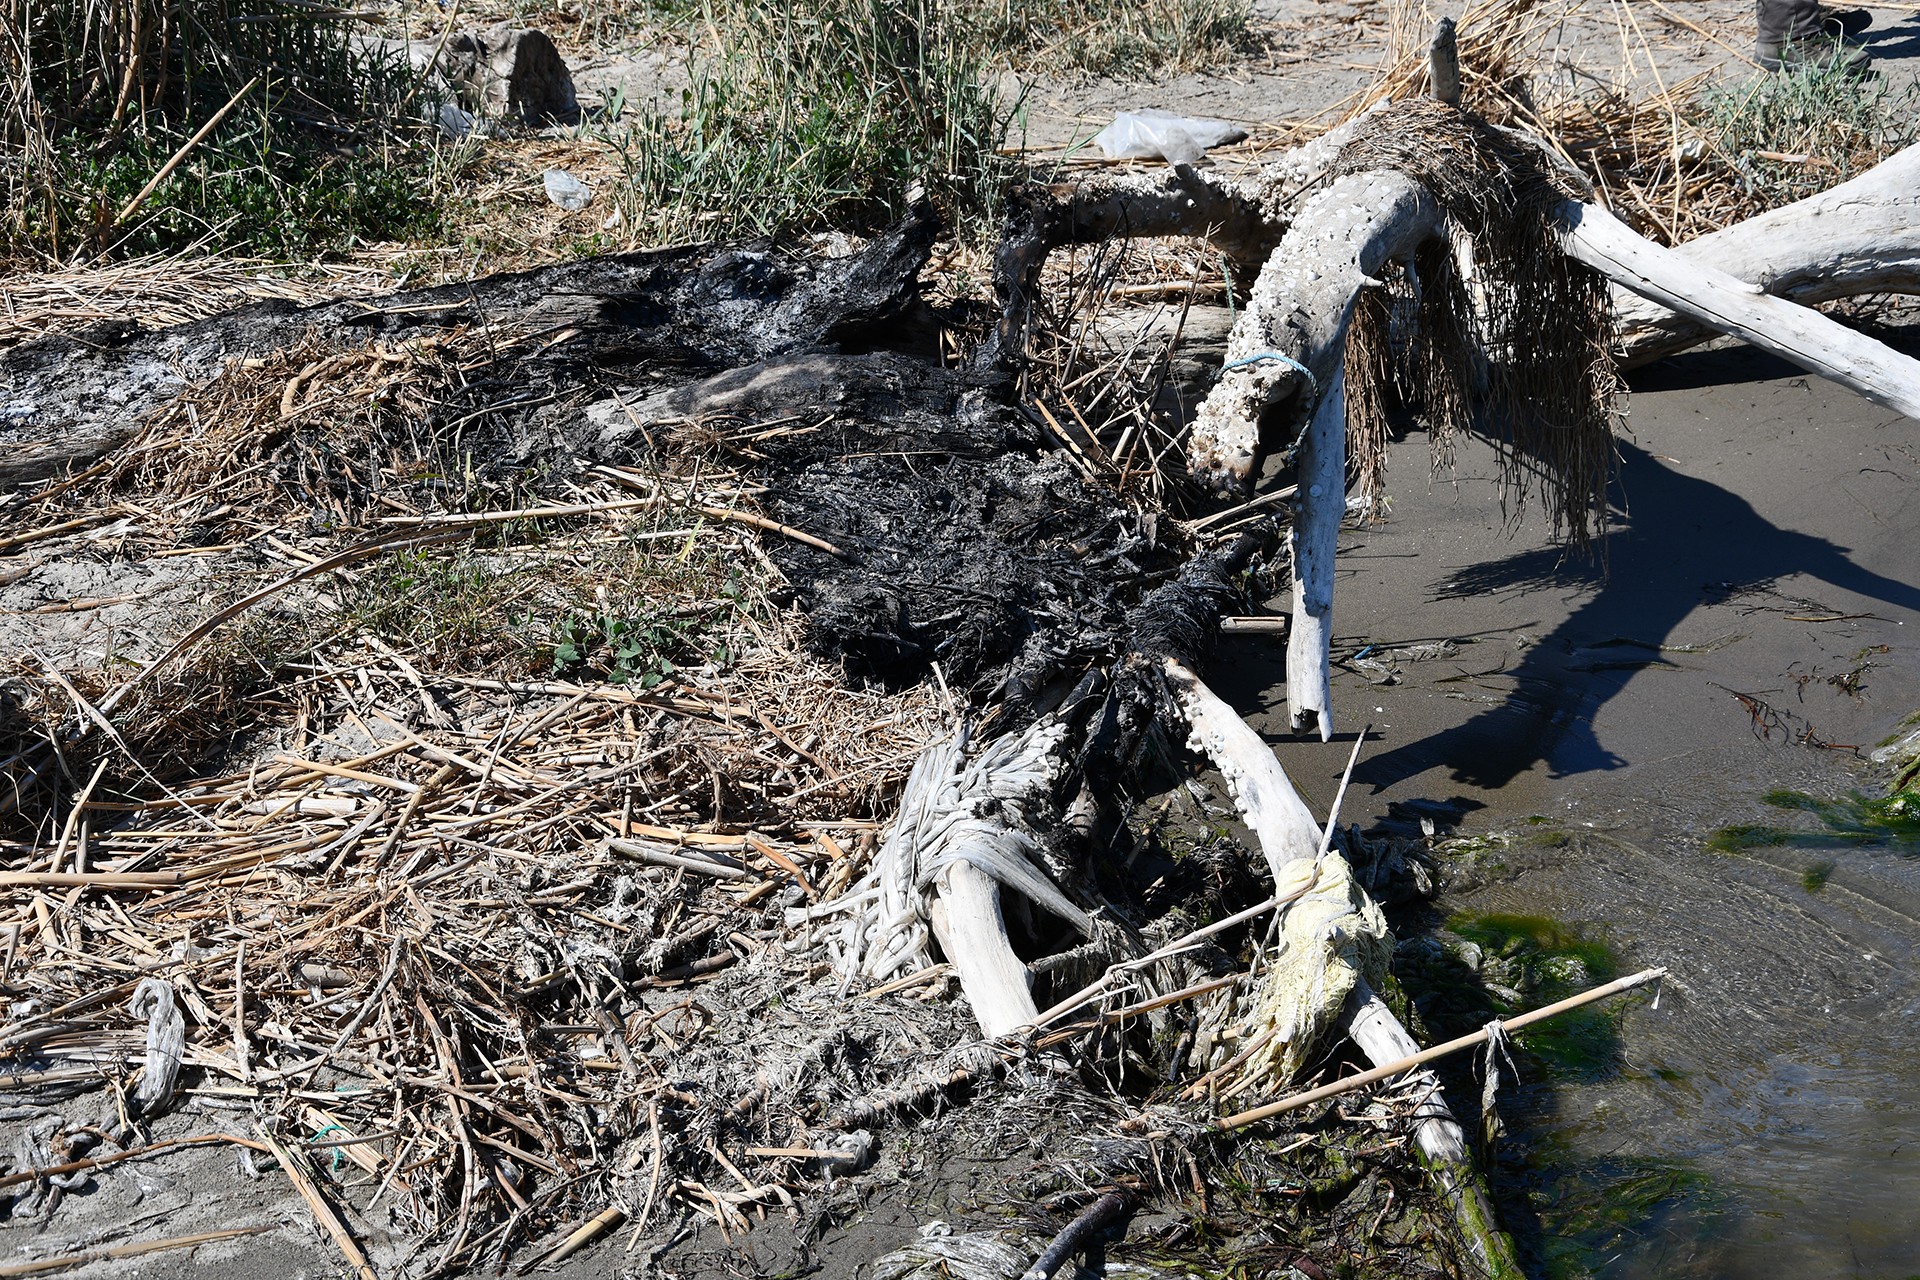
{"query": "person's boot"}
pixel 1822 51
pixel 1844 23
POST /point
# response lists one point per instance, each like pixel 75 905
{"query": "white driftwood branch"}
pixel 1273 810
pixel 1862 236
pixel 1297 313
pixel 1312 538
pixel 972 931
pixel 963 832
pixel 1380 1036
pixel 1795 333
pixel 1443 1144
pixel 1243 219
pixel 1290 838
pixel 1332 933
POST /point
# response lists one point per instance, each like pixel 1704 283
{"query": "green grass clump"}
pixel 1846 123
pixel 452 608
pixel 632 613
pixel 819 114
pixel 243 189
pixel 98 96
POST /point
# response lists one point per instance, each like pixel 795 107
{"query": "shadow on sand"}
pixel 1676 543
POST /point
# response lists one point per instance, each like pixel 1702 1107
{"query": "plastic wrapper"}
pixel 1151 134
pixel 566 190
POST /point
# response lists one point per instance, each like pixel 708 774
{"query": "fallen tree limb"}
pixel 1325 955
pixel 964 830
pixel 1805 337
pixel 1078 1233
pixel 1244 220
pixel 1266 798
pixel 972 930
pixel 1860 237
pixel 1313 539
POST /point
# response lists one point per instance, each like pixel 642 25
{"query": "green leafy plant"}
pixel 1794 133
pixel 642 650
pixel 449 607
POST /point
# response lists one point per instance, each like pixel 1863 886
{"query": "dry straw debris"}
pixel 354 855
pixel 1675 157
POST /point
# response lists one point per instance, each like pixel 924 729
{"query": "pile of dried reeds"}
pixel 155 292
pixel 1675 158
pixel 435 872
pixel 1099 369
pixel 429 883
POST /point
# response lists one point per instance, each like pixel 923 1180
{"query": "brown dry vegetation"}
pixel 503 760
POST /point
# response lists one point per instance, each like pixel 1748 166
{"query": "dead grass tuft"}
pixel 1525 357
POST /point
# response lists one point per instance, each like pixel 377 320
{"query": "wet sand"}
pixel 1766 545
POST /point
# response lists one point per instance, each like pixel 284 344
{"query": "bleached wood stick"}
pixel 1243 219
pixel 1862 236
pixel 1260 788
pixel 1417 1057
pixel 968 922
pixel 1312 538
pixel 1805 337
pixel 1268 803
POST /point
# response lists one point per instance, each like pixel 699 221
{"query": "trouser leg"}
pixel 1785 21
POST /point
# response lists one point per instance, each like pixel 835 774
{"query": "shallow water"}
pixel 1760 608
pixel 1780 1075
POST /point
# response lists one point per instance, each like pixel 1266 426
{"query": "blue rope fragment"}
pixel 337 1154
pixel 1313 383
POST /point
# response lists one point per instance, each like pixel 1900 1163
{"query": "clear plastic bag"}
pixel 1145 135
pixel 566 190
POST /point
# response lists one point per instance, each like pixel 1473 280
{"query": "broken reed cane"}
pixel 186 149
pixel 1390 1069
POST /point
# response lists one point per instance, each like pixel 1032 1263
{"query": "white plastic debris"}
pixel 1145 135
pixel 566 190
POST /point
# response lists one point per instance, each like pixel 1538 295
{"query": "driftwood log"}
pixel 1860 237
pixel 1286 357
pixel 1727 304
pixel 1286 348
pixel 1289 837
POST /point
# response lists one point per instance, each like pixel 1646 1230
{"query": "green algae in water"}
pixel 1890 823
pixel 1553 962
pixel 1527 962
pixel 1589 1212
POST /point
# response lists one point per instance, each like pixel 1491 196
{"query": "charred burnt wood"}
pixel 66 400
pixel 1180 200
pixel 1180 620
